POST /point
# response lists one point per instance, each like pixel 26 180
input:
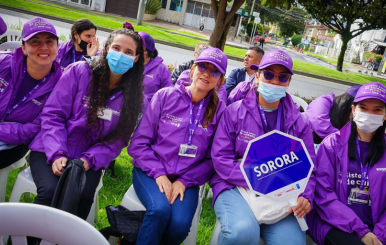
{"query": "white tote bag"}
pixel 265 210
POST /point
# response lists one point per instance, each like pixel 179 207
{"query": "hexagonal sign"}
pixel 277 165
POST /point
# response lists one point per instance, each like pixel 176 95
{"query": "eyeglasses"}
pixel 269 76
pixel 214 72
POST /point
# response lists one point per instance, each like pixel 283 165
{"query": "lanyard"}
pixel 114 96
pixel 193 125
pixel 73 56
pixel 265 123
pixel 41 82
pixel 364 169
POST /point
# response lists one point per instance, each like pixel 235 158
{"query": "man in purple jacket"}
pixel 241 122
pixel 27 77
pixel 350 195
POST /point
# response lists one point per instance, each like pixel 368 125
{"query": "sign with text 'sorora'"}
pixel 277 165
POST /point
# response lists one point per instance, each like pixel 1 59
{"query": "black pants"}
pixel 261 44
pixel 338 237
pixel 7 157
pixel 46 182
pixel 202 28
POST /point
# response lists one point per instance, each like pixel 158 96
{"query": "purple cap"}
pixel 149 41
pixel 374 90
pixel 254 67
pixel 215 57
pixel 353 90
pixel 276 57
pixel 35 26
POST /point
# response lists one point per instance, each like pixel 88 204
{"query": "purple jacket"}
pixel 12 67
pixel 331 192
pixel 164 126
pixel 184 79
pixel 240 92
pixel 3 26
pixel 64 118
pixel 318 113
pixel 241 123
pixel 155 76
pixel 63 49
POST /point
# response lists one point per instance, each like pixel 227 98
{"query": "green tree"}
pixel 346 17
pixel 223 21
pixel 296 39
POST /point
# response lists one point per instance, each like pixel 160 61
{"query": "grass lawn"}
pixel 113 190
pixel 333 61
pixel 113 22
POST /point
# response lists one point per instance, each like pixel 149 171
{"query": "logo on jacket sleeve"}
pixel 150 75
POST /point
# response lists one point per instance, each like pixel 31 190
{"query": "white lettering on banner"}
pixel 279 162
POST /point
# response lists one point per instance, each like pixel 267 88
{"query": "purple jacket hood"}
pixel 12 66
pixel 318 113
pixel 155 76
pixel 241 123
pixel 240 91
pixel 331 192
pixel 164 126
pixel 64 118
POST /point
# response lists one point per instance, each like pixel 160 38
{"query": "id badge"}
pixel 105 114
pixel 188 150
pixel 359 196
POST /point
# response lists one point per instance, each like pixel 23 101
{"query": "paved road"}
pixel 304 86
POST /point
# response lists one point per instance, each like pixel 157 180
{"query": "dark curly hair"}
pixel 131 86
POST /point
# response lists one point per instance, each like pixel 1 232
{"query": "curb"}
pixel 176 45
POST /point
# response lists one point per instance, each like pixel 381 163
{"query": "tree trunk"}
pixel 219 35
pixel 339 65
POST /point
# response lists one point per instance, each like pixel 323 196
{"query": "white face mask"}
pixel 367 122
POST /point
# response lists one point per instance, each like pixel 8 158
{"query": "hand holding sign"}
pixel 278 166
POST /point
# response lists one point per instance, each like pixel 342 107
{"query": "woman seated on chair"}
pixel 329 113
pixel 27 77
pixel 261 111
pixel 171 150
pixel 83 42
pixel 350 198
pixel 90 115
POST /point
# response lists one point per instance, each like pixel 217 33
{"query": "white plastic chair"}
pixel 25 183
pixel 12 35
pixel 52 225
pixel 130 201
pixel 10 46
pixel 217 229
pixel 4 175
pixel 300 102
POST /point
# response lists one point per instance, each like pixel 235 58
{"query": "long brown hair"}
pixel 131 86
pixel 210 111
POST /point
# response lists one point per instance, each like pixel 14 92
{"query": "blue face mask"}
pixel 271 93
pixel 119 62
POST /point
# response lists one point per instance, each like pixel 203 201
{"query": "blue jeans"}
pixel 239 226
pixel 169 223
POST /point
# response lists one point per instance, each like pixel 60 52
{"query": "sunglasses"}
pixel 214 72
pixel 269 76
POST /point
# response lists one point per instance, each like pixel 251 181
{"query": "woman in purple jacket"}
pixel 350 197
pixel 156 75
pixel 171 150
pixel 241 122
pixel 27 77
pixel 83 42
pixel 90 115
